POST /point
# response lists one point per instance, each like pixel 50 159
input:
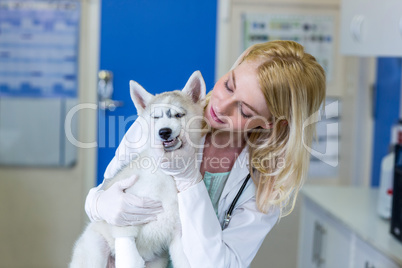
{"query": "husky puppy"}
pixel 170 117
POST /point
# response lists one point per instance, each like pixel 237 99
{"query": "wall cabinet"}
pixel 326 243
pixel 371 27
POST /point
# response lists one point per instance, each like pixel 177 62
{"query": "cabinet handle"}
pixel 400 26
pixel 367 265
pixel 318 243
pixel 356 27
pixel 322 233
pixel 315 242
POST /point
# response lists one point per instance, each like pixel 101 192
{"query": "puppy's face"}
pixel 171 114
pixel 168 122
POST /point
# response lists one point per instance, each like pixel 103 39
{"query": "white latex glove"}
pixel 119 208
pixel 182 165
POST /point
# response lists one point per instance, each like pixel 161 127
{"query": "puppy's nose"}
pixel 165 133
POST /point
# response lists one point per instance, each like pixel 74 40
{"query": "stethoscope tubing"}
pixel 228 215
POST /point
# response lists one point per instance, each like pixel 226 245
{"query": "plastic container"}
pixel 384 205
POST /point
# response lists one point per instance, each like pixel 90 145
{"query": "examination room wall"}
pixel 42 208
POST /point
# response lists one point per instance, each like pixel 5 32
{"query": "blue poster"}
pixel 39 48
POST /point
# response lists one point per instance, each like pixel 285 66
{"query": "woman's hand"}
pixel 117 207
pixel 182 165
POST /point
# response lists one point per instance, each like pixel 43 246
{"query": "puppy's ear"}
pixel 195 87
pixel 140 96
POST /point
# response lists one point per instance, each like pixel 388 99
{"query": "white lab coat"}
pixel 205 243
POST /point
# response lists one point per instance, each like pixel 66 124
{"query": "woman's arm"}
pixel 204 242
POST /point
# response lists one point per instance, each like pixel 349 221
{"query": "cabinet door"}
pixel 390 28
pixel 323 241
pixel 308 242
pixel 366 256
pixel 371 27
pixel 337 244
pixel 357 22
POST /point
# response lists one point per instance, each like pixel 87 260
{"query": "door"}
pixel 387 110
pixel 157 43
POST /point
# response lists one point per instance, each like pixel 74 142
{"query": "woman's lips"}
pixel 215 117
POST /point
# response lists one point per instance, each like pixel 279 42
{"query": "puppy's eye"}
pixel 180 115
pixel 156 115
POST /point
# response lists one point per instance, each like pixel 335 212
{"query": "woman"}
pixel 257 115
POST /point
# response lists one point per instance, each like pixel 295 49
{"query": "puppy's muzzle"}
pixel 169 143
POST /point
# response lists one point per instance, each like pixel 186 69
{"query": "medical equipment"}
pixel 228 215
pixel 396 214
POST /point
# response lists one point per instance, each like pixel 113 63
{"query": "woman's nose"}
pixel 225 107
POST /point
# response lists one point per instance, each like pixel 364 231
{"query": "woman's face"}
pixel 237 103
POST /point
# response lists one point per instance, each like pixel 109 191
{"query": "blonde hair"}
pixel 293 84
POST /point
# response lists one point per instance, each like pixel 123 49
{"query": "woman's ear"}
pixel 267 125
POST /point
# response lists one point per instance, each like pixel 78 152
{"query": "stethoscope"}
pixel 228 215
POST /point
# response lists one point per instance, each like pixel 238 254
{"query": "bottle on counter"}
pixel 384 205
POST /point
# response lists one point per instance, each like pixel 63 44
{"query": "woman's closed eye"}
pixel 227 86
pixel 243 113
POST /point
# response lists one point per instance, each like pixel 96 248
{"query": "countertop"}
pixel 356 209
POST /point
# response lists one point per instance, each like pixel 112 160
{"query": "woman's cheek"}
pixel 250 124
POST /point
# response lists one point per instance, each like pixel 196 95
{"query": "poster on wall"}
pixel 314 32
pixel 39 45
pixel 39 48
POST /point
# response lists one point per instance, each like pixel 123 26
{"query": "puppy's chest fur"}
pixel 155 236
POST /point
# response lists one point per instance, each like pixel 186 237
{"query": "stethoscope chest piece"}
pixel 226 220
